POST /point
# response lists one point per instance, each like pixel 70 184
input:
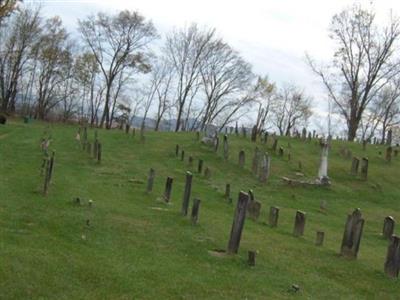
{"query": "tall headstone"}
pixel 323 165
pixel 242 158
pixel 388 227
pixel 299 223
pixel 168 189
pixel 238 223
pixel 392 262
pixel 186 193
pixel 352 234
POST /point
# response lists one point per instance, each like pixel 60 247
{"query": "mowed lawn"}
pixel 138 247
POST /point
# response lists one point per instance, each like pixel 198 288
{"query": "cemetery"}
pixel 132 216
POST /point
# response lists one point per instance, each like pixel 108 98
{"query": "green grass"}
pixel 137 247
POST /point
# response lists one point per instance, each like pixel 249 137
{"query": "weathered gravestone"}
pixel 392 262
pixel 299 223
pixel 195 211
pixel 354 166
pixel 319 240
pixel 388 227
pixel 242 158
pixel 364 168
pixel 253 207
pixel 265 167
pixel 273 216
pixel 168 189
pixel 226 147
pixel 352 234
pixel 186 193
pixel 200 166
pixel 238 223
pixel 323 165
pixel 150 180
pixel 255 163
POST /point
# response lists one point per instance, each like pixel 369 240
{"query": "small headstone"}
pixel 388 227
pixel 352 234
pixel 299 223
pixel 319 241
pixel 168 189
pixel 273 216
pixel 251 258
pixel 150 180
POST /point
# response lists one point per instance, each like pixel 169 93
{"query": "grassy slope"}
pixel 134 251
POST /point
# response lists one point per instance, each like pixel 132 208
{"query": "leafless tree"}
pixel 186 50
pixel 117 42
pixel 290 108
pixel 265 95
pixel 363 62
pixel 163 74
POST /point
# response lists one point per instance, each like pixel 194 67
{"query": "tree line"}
pixel 119 67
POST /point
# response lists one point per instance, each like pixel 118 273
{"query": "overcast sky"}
pixel 273 35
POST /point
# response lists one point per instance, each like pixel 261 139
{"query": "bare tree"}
pixel 6 8
pixel 163 74
pixel 265 95
pixel 186 50
pixel 363 62
pixel 117 42
pixel 290 108
pixel 224 73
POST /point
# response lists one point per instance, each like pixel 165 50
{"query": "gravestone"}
pixel 273 216
pixel 195 211
pixel 186 193
pixel 354 166
pixel 265 167
pixel 299 223
pixel 150 180
pixel 242 158
pixel 388 227
pixel 226 147
pixel 253 208
pixel 200 166
pixel 255 162
pixel 168 189
pixel 176 150
pixel 364 168
pixel 323 165
pixel 319 240
pixel 238 223
pixel 392 262
pixel 352 234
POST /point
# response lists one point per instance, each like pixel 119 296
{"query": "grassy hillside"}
pixel 138 247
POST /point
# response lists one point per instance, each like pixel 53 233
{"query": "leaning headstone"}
pixel 238 223
pixel 150 180
pixel 299 223
pixel 392 262
pixel 168 189
pixel 200 166
pixel 273 216
pixel 195 211
pixel 226 147
pixel 388 227
pixel 364 168
pixel 319 241
pixel 354 166
pixel 265 167
pixel 242 158
pixel 186 193
pixel 352 234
